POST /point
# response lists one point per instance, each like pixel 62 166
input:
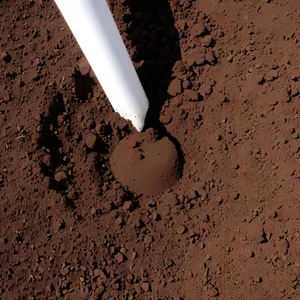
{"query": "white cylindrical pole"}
pixel 97 34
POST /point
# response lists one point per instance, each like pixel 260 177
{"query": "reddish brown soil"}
pixel 223 81
pixel 146 163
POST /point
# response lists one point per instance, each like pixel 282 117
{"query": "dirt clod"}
pixel 84 66
pixel 175 87
pixel 60 176
pixel 198 30
pixel 119 258
pixel 145 286
pixel 91 141
pixel 181 229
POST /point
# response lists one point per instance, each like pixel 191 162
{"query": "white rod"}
pixel 95 30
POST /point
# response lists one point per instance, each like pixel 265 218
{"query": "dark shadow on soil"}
pixel 83 86
pixel 152 31
pixel 50 141
pixel 48 138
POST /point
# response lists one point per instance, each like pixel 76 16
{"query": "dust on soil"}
pixel 223 80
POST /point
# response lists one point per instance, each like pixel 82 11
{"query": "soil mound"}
pixel 145 163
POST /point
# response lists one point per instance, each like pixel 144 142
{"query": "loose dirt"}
pixel 222 78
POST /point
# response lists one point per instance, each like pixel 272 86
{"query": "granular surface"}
pixel 223 81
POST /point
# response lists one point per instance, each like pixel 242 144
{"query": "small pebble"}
pixel 229 58
pixel 155 216
pixel 210 57
pixel 207 41
pixel 186 84
pixel 145 286
pixel 64 271
pixel 119 258
pixel 258 279
pixel 127 205
pixel 60 176
pixel 134 256
pixel 91 140
pixel 90 123
pixel 271 75
pixel 123 250
pixel 93 211
pixel 119 221
pixel 199 59
pixel 181 229
pixel 47 182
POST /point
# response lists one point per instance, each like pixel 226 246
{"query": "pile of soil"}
pixel 223 80
pixel 146 163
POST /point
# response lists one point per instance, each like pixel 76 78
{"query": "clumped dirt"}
pixel 223 83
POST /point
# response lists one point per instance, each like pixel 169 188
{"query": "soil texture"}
pixel 207 210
